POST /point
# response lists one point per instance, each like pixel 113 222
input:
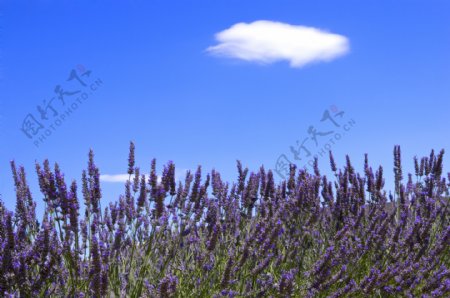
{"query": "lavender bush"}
pixel 309 236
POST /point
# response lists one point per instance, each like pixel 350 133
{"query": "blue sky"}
pixel 163 89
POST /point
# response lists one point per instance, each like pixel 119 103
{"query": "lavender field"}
pixel 308 236
pixel 224 149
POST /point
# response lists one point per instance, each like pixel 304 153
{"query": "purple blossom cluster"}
pixel 308 236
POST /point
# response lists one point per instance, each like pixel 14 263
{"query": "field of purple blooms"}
pixel 308 236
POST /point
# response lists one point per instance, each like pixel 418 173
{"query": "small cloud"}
pixel 268 42
pixel 114 178
pixel 122 178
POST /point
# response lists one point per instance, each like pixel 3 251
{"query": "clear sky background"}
pixel 161 87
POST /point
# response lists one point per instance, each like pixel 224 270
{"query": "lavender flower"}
pixel 309 236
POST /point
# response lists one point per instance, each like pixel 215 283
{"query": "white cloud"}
pixel 114 178
pixel 268 42
pixel 122 178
